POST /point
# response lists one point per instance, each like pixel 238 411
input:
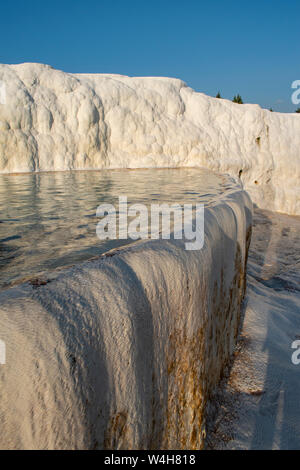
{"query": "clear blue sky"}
pixel 235 46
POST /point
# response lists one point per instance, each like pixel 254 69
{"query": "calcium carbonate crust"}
pixel 123 351
pixel 53 120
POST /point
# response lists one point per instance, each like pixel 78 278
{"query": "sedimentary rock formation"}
pixel 52 120
pixel 124 350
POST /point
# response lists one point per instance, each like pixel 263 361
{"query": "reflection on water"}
pixel 48 220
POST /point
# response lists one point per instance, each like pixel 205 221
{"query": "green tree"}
pixel 238 99
pixel 297 110
pixel 218 95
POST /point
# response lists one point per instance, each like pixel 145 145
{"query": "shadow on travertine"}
pixel 122 352
pixel 277 420
pixel 259 400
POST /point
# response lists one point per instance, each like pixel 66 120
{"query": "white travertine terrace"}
pixel 53 120
pixel 123 351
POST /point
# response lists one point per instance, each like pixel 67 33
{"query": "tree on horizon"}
pixel 238 99
pixel 218 95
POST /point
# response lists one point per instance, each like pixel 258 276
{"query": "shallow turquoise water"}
pixel 48 220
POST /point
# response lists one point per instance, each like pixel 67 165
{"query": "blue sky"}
pixel 235 46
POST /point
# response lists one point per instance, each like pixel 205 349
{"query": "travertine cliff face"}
pixel 52 120
pixel 123 351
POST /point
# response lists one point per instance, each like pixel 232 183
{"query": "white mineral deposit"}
pixel 149 233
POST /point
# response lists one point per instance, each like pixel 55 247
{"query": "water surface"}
pixel 48 220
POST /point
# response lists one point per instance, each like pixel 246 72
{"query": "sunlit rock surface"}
pixel 58 121
pixel 124 350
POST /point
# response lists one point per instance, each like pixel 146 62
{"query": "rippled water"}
pixel 48 220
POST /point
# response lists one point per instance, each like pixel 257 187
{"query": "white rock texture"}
pixel 260 399
pixel 53 120
pixel 124 350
